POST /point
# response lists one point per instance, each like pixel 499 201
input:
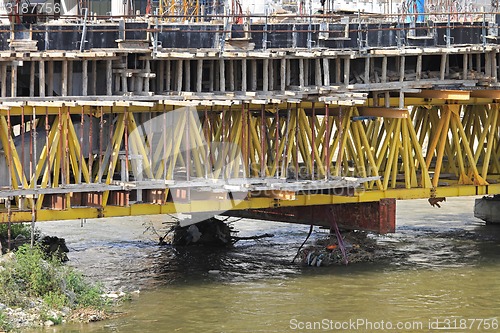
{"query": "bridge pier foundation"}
pixel 376 216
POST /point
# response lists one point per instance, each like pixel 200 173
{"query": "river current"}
pixel 438 272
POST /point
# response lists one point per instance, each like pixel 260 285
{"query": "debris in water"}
pixel 326 251
pixel 212 232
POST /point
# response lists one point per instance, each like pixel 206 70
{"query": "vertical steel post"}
pixel 262 137
pixel 125 127
pixel 327 142
pixel 48 145
pixel 296 141
pixel 276 142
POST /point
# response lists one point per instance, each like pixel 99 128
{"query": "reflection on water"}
pixel 442 264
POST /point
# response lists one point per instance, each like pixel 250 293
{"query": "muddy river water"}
pixel 439 272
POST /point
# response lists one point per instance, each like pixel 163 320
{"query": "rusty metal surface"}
pixel 379 216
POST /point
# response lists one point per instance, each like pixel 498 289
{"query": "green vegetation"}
pixel 30 274
pixel 4 323
pixel 16 229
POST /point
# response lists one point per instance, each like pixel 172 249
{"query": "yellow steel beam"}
pixel 375 146
pixel 461 95
pixel 250 203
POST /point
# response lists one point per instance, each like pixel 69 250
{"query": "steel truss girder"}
pixel 425 151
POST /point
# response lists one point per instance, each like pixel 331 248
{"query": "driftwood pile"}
pixel 327 251
pixel 210 232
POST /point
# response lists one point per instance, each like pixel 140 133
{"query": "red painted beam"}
pixel 378 216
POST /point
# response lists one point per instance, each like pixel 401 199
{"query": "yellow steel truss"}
pixel 428 151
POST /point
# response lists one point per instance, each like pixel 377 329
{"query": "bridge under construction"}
pixel 286 117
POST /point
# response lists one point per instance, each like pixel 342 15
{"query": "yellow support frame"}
pixel 462 152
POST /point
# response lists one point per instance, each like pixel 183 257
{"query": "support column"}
pixel 168 78
pixel 301 73
pixel 253 79
pixel 265 75
pixel 244 75
pixel 317 72
pixel 387 99
pixel 222 75
pixel 306 72
pixel 326 71
pixel 367 70
pixel 4 79
pixel 418 70
pixel 347 70
pixel 270 69
pixel 199 75
pixel 64 78
pixel 283 74
pixel 179 75
pixel 85 77
pixel 494 68
pixel 442 67
pixel 147 78
pixel 109 77
pixel 187 75
pixel 13 80
pixel 41 77
pixel 487 64
pixel 401 99
pixel 402 69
